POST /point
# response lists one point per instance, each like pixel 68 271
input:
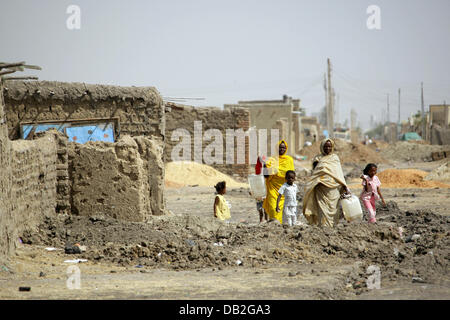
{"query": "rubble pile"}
pixel 420 249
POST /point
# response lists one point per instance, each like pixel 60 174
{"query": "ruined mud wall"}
pixel 33 189
pixel 123 180
pixel 27 184
pixel 7 230
pixel 183 117
pixel 63 184
pixel 140 109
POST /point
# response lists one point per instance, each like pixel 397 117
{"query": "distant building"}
pixel 284 115
pixel 440 115
pixel 438 126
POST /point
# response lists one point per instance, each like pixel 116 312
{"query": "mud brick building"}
pixel 284 115
pixel 43 175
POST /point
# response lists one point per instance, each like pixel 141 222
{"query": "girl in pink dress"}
pixel 371 190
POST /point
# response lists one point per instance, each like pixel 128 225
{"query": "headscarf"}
pixel 322 151
pixel 281 163
pixel 329 166
pixel 322 145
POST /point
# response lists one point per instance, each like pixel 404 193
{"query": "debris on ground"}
pixel 191 242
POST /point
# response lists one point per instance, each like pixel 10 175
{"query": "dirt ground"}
pixel 190 255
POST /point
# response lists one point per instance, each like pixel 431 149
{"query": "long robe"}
pixel 278 167
pixel 323 190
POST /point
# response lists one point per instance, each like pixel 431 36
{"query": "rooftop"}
pixel 71 91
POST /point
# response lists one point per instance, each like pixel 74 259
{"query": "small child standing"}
pixel 289 190
pixel 371 190
pixel 221 206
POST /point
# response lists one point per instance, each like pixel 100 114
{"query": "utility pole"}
pixel 387 115
pixel 445 115
pixel 398 121
pixel 424 124
pixel 353 132
pixel 337 108
pixel 326 92
pixel 330 110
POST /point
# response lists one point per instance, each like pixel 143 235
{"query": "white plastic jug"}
pixel 257 185
pixel 351 208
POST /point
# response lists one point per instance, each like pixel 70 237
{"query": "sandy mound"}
pixel 407 178
pixel 186 173
pixel 440 174
pixel 411 151
pixel 348 152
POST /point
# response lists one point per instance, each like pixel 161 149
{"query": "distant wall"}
pixel 266 116
pixel 440 135
pixel 440 115
pixel 183 117
pixel 124 180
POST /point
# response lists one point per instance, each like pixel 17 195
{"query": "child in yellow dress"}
pixel 221 206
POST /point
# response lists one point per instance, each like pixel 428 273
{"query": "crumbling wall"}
pixel 140 109
pixel 7 231
pixel 33 189
pixel 123 180
pixel 62 174
pixel 183 117
pixel 27 184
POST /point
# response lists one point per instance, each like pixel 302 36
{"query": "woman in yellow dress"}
pixel 275 178
pixel 324 188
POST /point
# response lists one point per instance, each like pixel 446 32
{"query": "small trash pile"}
pixel 407 178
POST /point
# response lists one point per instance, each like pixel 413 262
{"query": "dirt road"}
pixel 190 255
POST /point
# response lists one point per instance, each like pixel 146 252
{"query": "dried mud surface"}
pixel 303 262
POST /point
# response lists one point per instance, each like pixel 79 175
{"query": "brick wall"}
pixel 183 117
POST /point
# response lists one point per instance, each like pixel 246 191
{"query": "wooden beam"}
pixel 20 78
pixel 7 72
pixel 11 65
pixel 32 67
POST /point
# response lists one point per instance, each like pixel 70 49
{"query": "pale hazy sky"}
pixel 225 51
